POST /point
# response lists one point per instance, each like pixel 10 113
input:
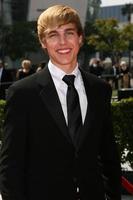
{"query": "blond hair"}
pixel 26 63
pixel 58 15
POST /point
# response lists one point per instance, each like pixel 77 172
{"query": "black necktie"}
pixel 73 107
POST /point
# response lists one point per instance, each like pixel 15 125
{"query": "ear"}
pixel 80 40
pixel 43 43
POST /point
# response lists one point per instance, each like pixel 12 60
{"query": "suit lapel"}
pixel 51 100
pixel 88 123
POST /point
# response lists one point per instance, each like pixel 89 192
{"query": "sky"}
pixel 115 2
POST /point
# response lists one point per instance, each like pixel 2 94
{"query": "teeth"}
pixel 64 51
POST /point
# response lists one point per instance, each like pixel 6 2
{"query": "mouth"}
pixel 64 51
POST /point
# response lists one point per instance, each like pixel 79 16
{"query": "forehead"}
pixel 61 28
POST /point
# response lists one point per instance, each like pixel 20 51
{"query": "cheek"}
pixel 43 45
pixel 48 45
pixel 77 44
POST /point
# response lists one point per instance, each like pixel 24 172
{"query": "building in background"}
pixel 93 9
pixel 113 11
pixel 88 9
pixel 116 11
pixel 36 7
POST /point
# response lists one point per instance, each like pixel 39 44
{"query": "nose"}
pixel 62 39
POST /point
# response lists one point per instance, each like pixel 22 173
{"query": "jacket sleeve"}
pixel 110 158
pixel 13 151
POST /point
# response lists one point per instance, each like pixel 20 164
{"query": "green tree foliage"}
pixel 108 38
pixel 111 39
pixel 127 34
pixel 19 39
pixel 122 113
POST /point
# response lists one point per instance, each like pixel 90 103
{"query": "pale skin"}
pixel 63 44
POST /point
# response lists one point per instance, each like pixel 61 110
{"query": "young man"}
pixel 40 159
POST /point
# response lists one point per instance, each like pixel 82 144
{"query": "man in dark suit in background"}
pixel 39 159
pixel 5 80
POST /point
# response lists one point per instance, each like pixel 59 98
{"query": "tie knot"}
pixel 69 79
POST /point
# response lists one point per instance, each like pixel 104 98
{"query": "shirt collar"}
pixel 57 73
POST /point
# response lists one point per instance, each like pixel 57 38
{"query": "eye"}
pixel 52 35
pixel 70 32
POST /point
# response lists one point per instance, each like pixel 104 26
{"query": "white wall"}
pixel 37 6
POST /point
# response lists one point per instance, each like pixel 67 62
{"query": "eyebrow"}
pixel 65 30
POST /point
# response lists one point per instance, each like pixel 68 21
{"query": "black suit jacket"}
pixel 5 82
pixel 38 159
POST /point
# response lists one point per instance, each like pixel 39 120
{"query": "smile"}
pixel 64 51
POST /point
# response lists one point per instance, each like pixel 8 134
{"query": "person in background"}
pixel 125 75
pixel 40 66
pixel 5 80
pixel 95 67
pixel 25 70
pixel 40 158
pixel 114 72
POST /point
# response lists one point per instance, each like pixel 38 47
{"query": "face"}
pixel 26 66
pixel 62 44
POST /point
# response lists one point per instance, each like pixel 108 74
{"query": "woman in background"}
pixel 25 70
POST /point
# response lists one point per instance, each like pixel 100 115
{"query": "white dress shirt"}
pixel 61 87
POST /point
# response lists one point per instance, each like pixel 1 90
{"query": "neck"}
pixel 68 68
